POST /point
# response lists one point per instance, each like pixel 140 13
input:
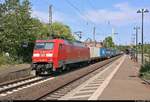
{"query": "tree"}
pixel 123 47
pixel 18 26
pixel 56 30
pixel 108 42
pixel 62 31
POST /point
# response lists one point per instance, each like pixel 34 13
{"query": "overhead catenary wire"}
pixel 85 17
pixel 91 4
pixel 78 10
pixel 56 10
pixel 93 7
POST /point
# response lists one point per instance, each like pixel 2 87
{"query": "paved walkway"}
pixel 125 84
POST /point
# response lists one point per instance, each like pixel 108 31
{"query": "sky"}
pixel 105 15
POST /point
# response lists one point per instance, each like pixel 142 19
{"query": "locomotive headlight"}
pixel 36 55
pixel 49 55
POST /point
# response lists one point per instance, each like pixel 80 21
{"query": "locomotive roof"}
pixel 49 40
pixel 77 43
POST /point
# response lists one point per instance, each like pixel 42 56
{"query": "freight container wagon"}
pixel 108 53
pixel 113 52
pixel 103 52
pixel 94 53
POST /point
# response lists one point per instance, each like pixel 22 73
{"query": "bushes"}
pixel 145 71
pixel 18 26
pixel 5 59
pixel 23 55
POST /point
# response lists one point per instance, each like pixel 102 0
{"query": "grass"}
pixel 145 71
pixel 3 59
pixel 6 60
pixel 146 76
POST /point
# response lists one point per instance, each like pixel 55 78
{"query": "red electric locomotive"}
pixel 56 54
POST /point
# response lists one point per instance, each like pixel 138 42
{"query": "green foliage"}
pixel 147 48
pixel 108 42
pixel 61 31
pixel 56 30
pixel 122 47
pixel 145 68
pixel 145 71
pixel 17 26
pixel 5 59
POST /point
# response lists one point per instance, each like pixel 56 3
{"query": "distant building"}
pixel 91 43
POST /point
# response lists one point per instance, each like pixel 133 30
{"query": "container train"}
pixel 56 54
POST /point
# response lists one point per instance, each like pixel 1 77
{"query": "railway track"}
pixel 93 87
pixel 93 80
pixel 9 88
pixel 60 92
pixel 39 88
pixel 146 81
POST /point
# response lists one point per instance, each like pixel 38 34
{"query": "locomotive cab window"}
pixel 44 45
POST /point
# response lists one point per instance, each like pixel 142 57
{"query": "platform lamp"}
pixel 136 28
pixel 142 11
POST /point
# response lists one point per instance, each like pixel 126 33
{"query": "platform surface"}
pixel 13 72
pixel 126 85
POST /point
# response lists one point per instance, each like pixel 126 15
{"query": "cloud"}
pixel 122 14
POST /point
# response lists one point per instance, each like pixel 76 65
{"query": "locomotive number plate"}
pixel 42 55
pixel 42 60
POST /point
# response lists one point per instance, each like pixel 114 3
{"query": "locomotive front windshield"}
pixel 44 45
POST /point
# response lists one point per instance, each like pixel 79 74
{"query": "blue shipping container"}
pixel 103 53
pixel 109 53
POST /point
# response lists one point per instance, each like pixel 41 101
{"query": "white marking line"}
pixel 81 96
pixel 20 88
pixel 3 94
pixel 92 85
pixel 87 90
pixel 83 86
pixel 98 83
pixel 9 92
pixel 14 90
pixel 99 91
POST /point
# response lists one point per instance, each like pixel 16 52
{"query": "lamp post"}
pixel 94 31
pixel 142 11
pixel 136 28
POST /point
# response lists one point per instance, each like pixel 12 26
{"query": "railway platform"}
pixel 119 81
pixel 113 79
pixel 13 72
pixel 126 85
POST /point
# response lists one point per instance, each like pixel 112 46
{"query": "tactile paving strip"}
pixel 88 88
